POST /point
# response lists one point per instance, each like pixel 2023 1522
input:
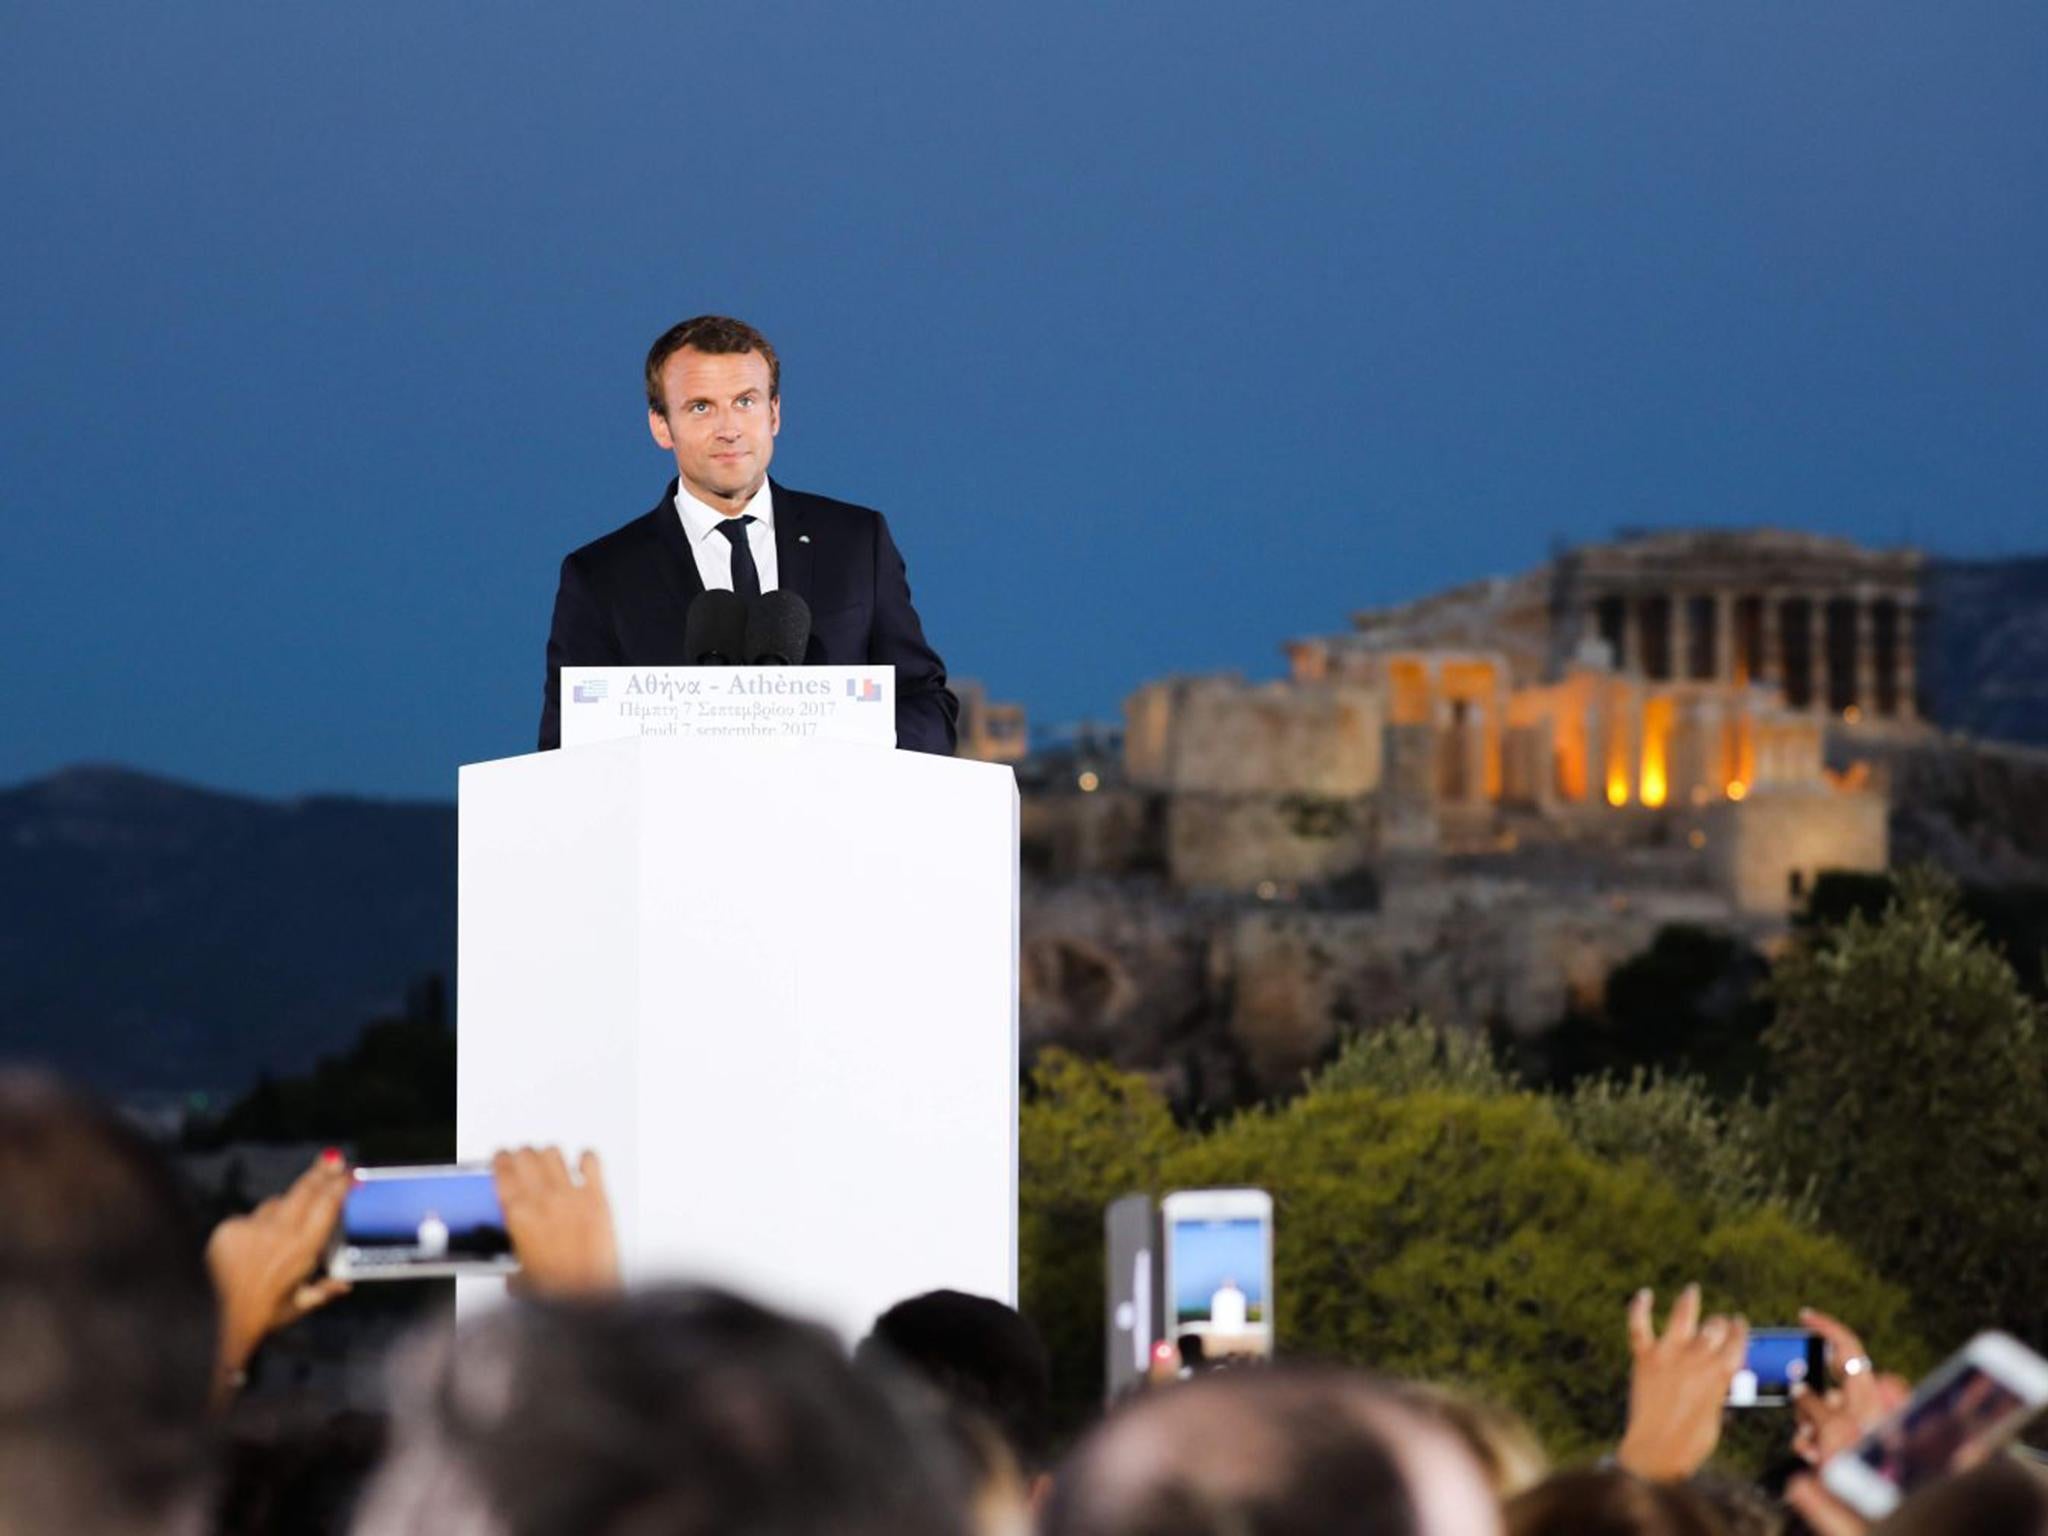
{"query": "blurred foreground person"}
pixel 107 1326
pixel 2004 1497
pixel 1281 1452
pixel 306 1475
pixel 989 1368
pixel 682 1412
pixel 1500 1440
pixel 1611 1502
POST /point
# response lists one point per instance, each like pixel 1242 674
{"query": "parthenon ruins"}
pixel 1696 672
pixel 1826 622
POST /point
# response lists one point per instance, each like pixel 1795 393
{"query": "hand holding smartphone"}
pixel 1971 1405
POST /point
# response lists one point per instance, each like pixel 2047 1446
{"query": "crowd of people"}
pixel 587 1408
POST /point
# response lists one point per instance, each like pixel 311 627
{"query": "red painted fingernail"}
pixel 331 1156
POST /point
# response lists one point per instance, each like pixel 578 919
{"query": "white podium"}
pixel 774 984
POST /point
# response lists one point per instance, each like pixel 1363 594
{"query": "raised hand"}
pixel 1834 1415
pixel 1678 1387
pixel 263 1264
pixel 560 1223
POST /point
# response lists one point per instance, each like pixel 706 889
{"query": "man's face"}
pixel 720 422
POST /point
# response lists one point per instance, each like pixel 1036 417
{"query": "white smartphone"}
pixel 1973 1402
pixel 420 1223
pixel 1218 1251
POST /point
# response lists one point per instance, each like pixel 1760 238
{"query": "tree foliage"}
pixel 1458 1234
pixel 1913 1092
pixel 391 1095
pixel 1717 1149
pixel 2012 919
pixel 1413 1055
pixel 1087 1134
pixel 1706 1146
pixel 1689 1004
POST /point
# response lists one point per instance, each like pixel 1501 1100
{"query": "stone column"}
pixel 1770 659
pixel 1904 659
pixel 1680 637
pixel 1866 653
pixel 1479 730
pixel 1816 653
pixel 1724 636
pixel 1625 743
pixel 1448 786
pixel 1591 629
pixel 1543 763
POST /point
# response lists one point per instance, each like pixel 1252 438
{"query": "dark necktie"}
pixel 746 578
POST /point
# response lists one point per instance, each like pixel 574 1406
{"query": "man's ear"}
pixel 658 425
pixel 774 415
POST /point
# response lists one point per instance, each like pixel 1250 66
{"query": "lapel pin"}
pixel 803 538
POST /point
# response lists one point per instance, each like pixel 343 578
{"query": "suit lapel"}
pixel 673 558
pixel 792 543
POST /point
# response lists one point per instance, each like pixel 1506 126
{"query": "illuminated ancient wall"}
pixel 1767 849
pixel 1220 735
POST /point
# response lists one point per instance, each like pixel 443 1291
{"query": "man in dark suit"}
pixel 714 401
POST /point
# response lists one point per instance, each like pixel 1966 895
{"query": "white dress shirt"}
pixel 713 550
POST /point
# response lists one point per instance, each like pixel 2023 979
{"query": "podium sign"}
pixel 855 704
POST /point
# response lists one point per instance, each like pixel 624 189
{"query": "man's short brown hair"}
pixel 717 335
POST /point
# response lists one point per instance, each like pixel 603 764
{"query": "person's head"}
pixel 1271 1453
pixel 979 1354
pixel 2004 1497
pixel 297 1475
pixel 714 401
pixel 107 1325
pixel 686 1411
pixel 1506 1449
pixel 989 1368
pixel 1741 1508
pixel 1610 1503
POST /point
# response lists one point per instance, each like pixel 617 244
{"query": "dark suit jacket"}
pixel 623 597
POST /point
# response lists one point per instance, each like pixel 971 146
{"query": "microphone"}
pixel 715 632
pixel 778 629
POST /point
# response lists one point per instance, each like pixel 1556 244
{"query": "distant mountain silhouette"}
pixel 1984 659
pixel 156 936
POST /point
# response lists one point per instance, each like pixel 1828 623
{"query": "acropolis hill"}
pixel 1479 803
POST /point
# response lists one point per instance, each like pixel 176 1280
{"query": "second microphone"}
pixel 726 630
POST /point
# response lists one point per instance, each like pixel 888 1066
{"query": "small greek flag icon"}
pixel 592 691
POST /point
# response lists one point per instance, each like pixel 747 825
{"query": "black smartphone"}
pixel 1778 1360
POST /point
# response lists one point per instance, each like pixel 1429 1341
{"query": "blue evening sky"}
pixel 1162 331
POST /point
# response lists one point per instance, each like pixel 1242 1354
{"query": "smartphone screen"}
pixel 1778 1360
pixel 1219 1260
pixel 1957 1417
pixel 402 1223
